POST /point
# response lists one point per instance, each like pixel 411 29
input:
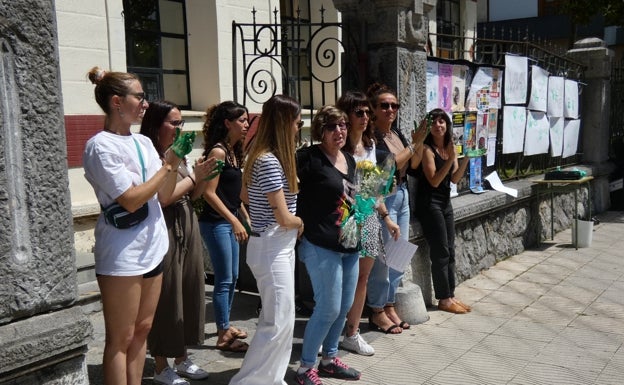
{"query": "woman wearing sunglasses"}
pixel 361 144
pixel 326 192
pixel 179 318
pixel 384 281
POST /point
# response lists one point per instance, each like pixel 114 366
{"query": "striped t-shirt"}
pixel 267 176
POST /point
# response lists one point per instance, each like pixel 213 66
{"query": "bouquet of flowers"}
pixel 372 184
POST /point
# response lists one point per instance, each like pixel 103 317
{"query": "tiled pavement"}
pixel 548 316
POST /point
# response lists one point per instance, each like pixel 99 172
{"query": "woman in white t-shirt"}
pixel 124 168
pixel 270 188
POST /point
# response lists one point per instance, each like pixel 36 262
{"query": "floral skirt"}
pixel 371 238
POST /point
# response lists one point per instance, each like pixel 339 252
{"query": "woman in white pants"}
pixel 270 188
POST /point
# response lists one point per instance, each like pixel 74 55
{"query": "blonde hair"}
pixel 275 135
pixel 108 84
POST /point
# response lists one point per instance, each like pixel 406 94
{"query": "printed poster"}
pixel 493 123
pixel 536 140
pixel 556 136
pixel 539 89
pixel 459 87
pixel 445 81
pixel 555 96
pixel 570 106
pixel 458 132
pixel 482 133
pixel 476 185
pixel 491 152
pixel 495 88
pixel 514 123
pixel 516 79
pixel 432 85
pixel 484 89
pixel 470 132
pixel 570 137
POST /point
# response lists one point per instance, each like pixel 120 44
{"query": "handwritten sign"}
pixel 570 106
pixel 536 140
pixel 555 96
pixel 556 136
pixel 514 123
pixel 539 89
pixel 516 79
pixel 570 137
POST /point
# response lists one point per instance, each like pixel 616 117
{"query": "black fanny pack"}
pixel 121 218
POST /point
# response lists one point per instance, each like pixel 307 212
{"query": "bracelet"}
pixel 411 148
pixel 192 180
pixel 384 215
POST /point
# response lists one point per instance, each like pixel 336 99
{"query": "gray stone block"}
pixel 410 305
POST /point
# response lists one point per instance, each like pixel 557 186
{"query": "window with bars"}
pixel 156 48
pixel 447 20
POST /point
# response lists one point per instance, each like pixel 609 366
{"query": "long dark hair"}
pixel 153 119
pixel 348 103
pixel 215 131
pixel 433 115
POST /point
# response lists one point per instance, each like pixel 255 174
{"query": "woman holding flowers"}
pixel 224 131
pixel 361 144
pixel 384 281
pixel 326 192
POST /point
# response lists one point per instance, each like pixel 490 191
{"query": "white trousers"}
pixel 271 258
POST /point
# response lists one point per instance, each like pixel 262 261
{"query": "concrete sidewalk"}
pixel 548 316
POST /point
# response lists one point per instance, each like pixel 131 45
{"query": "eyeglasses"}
pixel 300 124
pixel 333 126
pixel 142 96
pixel 176 123
pixel 386 106
pixel 360 113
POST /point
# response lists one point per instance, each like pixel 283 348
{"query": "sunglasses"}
pixel 333 126
pixel 176 123
pixel 142 96
pixel 386 106
pixel 361 113
pixel 300 124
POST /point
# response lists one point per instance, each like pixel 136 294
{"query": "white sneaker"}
pixel 356 344
pixel 188 369
pixel 320 352
pixel 169 377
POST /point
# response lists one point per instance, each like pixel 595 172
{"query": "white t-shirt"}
pixel 111 163
pixel 267 176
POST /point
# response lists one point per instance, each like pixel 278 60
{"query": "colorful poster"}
pixel 570 137
pixel 556 136
pixel 480 94
pixel 555 96
pixel 482 132
pixel 476 185
pixel 514 123
pixel 493 123
pixel 539 89
pixel 470 132
pixel 432 85
pixel 495 88
pixel 516 79
pixel 458 132
pixel 459 87
pixel 570 106
pixel 445 81
pixel 536 140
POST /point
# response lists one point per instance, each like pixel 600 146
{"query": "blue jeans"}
pixel 383 281
pixel 223 249
pixel 334 277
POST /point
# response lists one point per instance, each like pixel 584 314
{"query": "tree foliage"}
pixel 582 11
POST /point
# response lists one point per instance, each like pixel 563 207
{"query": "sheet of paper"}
pixel 497 185
pixel 399 253
pixel 516 79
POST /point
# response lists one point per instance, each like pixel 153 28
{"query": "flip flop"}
pixel 404 325
pixel 233 345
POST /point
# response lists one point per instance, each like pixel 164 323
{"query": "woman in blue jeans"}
pixel 326 176
pixel 221 229
pixel 384 281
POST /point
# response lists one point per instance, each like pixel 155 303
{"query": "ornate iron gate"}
pixel 310 61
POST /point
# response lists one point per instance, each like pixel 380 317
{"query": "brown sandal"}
pixel 238 334
pixel 233 345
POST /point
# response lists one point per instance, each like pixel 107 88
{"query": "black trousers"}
pixel 438 226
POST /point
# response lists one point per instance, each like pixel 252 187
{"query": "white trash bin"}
pixel 585 230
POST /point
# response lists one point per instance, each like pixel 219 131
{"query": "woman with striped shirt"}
pixel 270 188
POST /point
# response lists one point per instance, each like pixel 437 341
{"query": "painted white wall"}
pixel 468 19
pixel 90 33
pixel 512 9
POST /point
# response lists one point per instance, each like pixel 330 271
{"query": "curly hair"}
pixel 327 114
pixel 214 128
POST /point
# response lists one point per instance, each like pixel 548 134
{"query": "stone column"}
pixel 595 111
pixel 43 338
pixel 392 36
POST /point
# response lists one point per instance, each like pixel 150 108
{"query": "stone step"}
pixel 85 267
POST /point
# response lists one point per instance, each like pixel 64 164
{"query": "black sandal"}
pixel 403 325
pixel 373 326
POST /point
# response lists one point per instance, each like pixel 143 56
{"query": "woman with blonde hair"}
pixel 270 188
